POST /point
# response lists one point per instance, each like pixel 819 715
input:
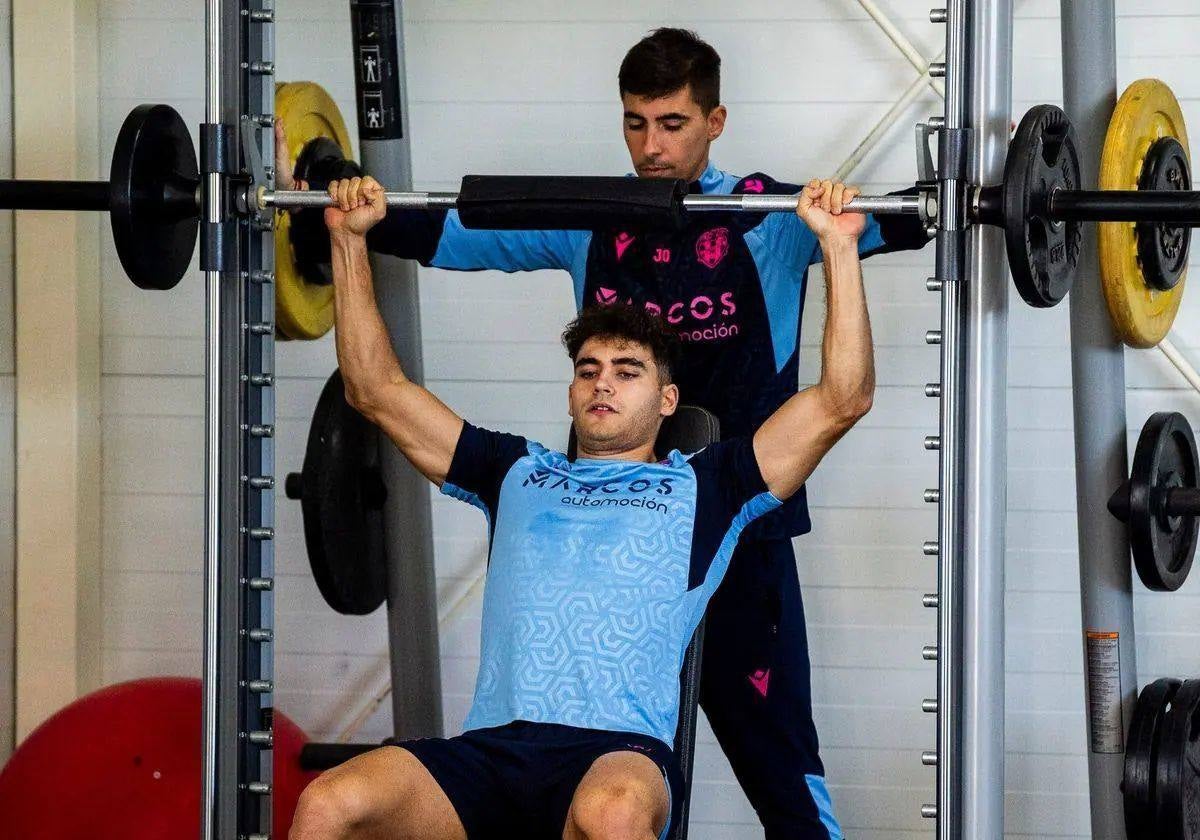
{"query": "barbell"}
pixel 154 202
pixel 1038 204
pixel 522 194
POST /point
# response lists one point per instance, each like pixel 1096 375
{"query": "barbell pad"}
pixel 152 197
pixel 1141 314
pixel 303 309
pixel 541 202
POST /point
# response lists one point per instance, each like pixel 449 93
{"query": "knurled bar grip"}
pixel 508 202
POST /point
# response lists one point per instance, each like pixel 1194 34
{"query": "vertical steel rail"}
pixel 951 259
pixel 237 257
pixel 212 820
pixel 1098 372
pixel 985 439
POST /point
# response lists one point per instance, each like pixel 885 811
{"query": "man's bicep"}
pixel 793 440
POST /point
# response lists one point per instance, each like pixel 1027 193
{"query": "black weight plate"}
pixel 1177 767
pixel 1141 749
pixel 1163 546
pixel 1042 254
pixel 1163 249
pixel 341 496
pixel 319 162
pixel 152 197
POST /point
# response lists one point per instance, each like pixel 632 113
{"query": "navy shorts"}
pixel 518 780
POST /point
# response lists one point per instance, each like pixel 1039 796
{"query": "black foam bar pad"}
pixel 542 202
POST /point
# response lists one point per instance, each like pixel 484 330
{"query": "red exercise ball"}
pixel 124 763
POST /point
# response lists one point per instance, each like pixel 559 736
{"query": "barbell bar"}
pixel 1062 205
pixel 876 204
pixel 153 199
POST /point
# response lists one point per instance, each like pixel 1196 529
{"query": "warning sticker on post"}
pixel 1104 692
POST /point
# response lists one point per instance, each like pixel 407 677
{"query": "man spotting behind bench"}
pixel 600 568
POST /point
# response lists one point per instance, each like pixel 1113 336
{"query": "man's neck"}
pixel 696 176
pixel 642 454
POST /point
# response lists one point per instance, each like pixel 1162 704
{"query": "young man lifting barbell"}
pixel 599 568
pixel 732 286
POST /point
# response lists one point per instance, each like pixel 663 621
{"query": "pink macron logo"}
pixel 622 243
pixel 754 185
pixel 761 680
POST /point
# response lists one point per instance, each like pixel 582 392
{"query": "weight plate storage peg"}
pixel 304 309
pixel 1043 254
pixel 341 494
pixel 1159 503
pixel 1141 305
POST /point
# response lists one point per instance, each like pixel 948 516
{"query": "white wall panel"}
pixel 528 87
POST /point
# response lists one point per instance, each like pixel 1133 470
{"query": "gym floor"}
pixel 523 87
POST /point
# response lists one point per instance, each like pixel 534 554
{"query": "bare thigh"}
pixel 391 796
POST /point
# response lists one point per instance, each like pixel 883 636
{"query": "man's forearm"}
pixel 847 355
pixel 364 349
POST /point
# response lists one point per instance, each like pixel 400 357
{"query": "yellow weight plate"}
pixel 303 310
pixel 1146 112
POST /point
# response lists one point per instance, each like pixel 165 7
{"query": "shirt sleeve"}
pixel 438 239
pixel 730 494
pixel 730 483
pixel 481 461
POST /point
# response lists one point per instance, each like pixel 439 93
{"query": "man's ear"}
pixel 670 400
pixel 716 122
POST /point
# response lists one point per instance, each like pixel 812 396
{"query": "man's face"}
pixel 669 137
pixel 616 398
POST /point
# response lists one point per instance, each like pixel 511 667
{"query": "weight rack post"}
pixel 415 663
pixel 1098 373
pixel 985 457
pixel 237 254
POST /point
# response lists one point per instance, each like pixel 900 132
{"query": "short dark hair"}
pixel 669 59
pixel 624 322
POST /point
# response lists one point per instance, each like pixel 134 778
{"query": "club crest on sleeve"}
pixel 712 246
